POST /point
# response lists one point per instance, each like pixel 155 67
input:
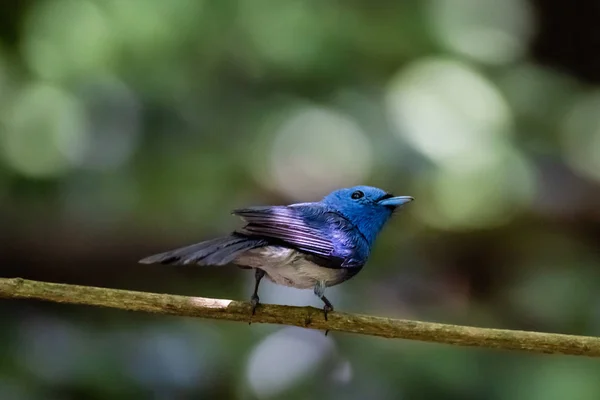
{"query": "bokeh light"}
pixel 144 29
pixel 67 38
pixel 581 136
pixel 46 130
pixel 493 32
pixel 459 120
pixel 301 28
pixel 448 112
pixel 270 374
pixel 315 150
pixel 506 184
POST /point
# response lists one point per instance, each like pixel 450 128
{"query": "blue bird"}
pixel 304 246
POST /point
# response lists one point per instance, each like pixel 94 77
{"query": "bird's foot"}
pixel 255 301
pixel 327 308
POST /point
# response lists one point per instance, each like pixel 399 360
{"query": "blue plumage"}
pixel 306 245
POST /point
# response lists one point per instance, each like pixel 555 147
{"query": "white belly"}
pixel 287 267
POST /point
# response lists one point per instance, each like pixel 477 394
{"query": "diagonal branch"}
pixel 308 317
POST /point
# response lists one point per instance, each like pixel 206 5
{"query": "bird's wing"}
pixel 306 227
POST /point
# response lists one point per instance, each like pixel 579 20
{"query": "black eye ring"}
pixel 357 195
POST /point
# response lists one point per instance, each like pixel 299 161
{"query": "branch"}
pixel 307 317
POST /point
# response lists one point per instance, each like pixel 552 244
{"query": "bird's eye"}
pixel 357 195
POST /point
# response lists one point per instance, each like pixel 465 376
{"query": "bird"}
pixel 312 245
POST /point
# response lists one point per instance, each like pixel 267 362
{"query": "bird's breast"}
pixel 289 267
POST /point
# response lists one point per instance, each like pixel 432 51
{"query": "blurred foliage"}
pixel 131 126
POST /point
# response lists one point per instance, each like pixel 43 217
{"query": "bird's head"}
pixel 367 208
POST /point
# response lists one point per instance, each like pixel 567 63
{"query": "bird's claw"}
pixel 326 309
pixel 254 300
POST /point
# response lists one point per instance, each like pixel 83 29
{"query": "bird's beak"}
pixel 397 201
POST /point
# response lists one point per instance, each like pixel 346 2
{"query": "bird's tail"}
pixel 218 251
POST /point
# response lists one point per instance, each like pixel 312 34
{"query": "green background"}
pixel 128 127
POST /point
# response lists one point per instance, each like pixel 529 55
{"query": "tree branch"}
pixel 306 317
